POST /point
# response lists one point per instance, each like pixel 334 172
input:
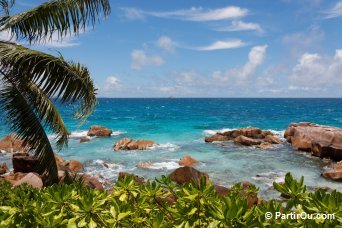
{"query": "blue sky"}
pixel 250 48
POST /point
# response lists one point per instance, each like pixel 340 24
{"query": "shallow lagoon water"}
pixel 179 126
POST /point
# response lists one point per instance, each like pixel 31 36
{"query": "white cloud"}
pixel 334 12
pixel 240 74
pixel 238 25
pixel 166 43
pixel 313 70
pixel 133 13
pixel 141 60
pixel 222 44
pixel 111 83
pixel 192 14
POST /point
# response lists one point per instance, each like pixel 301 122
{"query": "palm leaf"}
pixel 6 5
pixel 27 124
pixel 47 113
pixel 62 17
pixel 66 81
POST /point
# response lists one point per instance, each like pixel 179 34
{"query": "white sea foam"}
pixel 270 177
pixel 212 132
pixel 168 146
pixel 165 165
pixel 78 134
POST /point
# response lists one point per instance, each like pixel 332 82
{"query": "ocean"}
pixel 179 127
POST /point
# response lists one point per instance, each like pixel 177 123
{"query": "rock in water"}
pixel 272 139
pixel 99 131
pixel 145 165
pixel 335 173
pixel 322 141
pixel 216 137
pixel 23 162
pixel 84 139
pixel 131 144
pixel 265 145
pixel 31 179
pixel 12 143
pixel 243 140
pixel 187 174
pixel 187 161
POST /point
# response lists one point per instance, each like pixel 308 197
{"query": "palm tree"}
pixel 33 81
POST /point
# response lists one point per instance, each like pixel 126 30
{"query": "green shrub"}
pixel 162 203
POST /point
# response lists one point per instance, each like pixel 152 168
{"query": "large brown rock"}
pixel 23 162
pixel 217 137
pixel 92 182
pixel 322 141
pixel 12 143
pixel 246 141
pixel 32 179
pixel 136 178
pixel 187 174
pixel 75 166
pixel 131 144
pixel 250 132
pixel 335 173
pixel 187 161
pixel 272 139
pixel 221 190
pixel 99 131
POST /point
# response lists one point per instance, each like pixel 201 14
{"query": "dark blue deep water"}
pixel 179 126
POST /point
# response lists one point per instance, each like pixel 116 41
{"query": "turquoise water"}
pixel 179 126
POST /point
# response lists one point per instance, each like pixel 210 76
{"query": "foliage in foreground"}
pixel 134 205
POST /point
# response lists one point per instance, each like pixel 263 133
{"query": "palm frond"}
pixel 66 81
pixel 24 121
pixel 6 5
pixel 46 112
pixel 62 17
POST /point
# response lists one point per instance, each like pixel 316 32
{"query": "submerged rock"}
pixel 187 174
pixel 246 141
pixel 131 144
pixel 334 173
pixel 265 145
pixel 84 139
pixel 99 131
pixel 145 165
pixel 187 161
pixel 322 141
pixel 12 143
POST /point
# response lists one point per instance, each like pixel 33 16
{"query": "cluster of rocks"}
pixel 320 141
pixel 24 166
pixel 184 161
pixel 250 136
